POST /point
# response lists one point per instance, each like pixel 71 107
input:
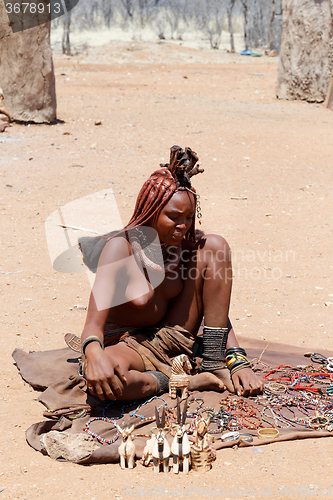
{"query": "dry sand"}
pixel 276 156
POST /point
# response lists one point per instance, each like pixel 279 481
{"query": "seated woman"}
pixel 151 294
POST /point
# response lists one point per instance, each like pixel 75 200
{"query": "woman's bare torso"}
pixel 147 311
pixel 130 315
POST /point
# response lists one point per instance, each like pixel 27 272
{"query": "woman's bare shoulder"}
pixel 116 249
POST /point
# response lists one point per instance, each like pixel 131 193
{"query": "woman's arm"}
pixel 245 381
pixel 104 375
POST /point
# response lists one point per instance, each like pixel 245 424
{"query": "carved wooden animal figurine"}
pixel 179 379
pixel 127 448
pixel 180 447
pixel 161 448
pixel 148 450
pixel 202 453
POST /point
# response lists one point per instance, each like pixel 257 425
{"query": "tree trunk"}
pixel 66 45
pixel 246 38
pixel 231 31
pixel 329 97
pixel 128 7
pixel 306 54
pixel 271 27
pixel 26 72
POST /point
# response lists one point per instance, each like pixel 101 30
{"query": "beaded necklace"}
pixel 303 378
pixel 303 402
pixel 150 254
pixel 122 412
pixel 245 414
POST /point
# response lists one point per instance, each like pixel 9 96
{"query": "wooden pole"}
pixel 329 98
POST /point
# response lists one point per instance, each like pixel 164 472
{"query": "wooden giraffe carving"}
pixel 179 379
pixel 180 447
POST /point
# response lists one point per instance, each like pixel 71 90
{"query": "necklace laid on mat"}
pixel 110 420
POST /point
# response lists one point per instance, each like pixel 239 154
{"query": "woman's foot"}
pixel 206 381
pixel 224 376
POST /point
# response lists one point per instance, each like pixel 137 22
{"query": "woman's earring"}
pixel 198 209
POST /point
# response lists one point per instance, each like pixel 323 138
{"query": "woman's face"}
pixel 175 218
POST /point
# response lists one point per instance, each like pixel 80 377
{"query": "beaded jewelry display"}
pixel 293 396
pixel 239 410
pixel 316 357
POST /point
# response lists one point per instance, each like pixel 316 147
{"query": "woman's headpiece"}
pixel 183 165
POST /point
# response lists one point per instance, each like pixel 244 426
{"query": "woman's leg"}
pixel 140 384
pixel 207 291
pixel 207 286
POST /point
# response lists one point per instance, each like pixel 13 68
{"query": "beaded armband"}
pixel 214 346
pixel 88 340
pixel 236 359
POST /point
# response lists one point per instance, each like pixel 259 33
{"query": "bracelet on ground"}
pixel 88 340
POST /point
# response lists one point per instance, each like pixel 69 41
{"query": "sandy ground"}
pixel 275 156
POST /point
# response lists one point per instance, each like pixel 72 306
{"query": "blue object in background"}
pixel 245 52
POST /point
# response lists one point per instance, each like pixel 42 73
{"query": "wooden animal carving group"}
pixel 200 455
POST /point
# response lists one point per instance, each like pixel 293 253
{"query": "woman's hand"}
pixel 246 383
pixel 105 378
